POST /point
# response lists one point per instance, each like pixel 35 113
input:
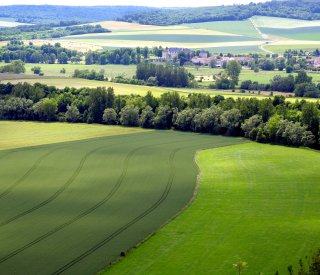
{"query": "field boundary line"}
pixel 192 199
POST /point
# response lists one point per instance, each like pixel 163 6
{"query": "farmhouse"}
pixel 315 62
pixel 172 53
pixel 203 60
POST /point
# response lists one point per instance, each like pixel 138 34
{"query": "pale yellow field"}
pixel 100 43
pixel 71 45
pixel 22 134
pixel 118 26
pixel 182 30
pixel 283 23
pixel 7 24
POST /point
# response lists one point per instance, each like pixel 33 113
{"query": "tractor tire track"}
pixel 136 219
pixel 81 215
pixel 26 175
pixel 88 211
pixel 57 193
pixel 132 222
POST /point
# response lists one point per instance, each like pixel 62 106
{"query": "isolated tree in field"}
pixel 129 116
pixel 233 71
pixel 72 114
pixel 240 266
pixel 109 116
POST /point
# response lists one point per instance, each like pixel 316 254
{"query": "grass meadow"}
pixel 255 202
pixel 90 200
pixel 22 134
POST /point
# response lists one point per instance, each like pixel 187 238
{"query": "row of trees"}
pixel 29 53
pixel 268 120
pixel 305 10
pixel 301 85
pixel 124 56
pixel 43 31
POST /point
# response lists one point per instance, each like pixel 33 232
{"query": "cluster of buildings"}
pixel 315 62
pixel 202 58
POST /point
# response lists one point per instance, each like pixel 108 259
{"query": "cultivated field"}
pixel 22 134
pixel 219 36
pixel 247 36
pixel 110 69
pixel 283 23
pixel 258 203
pixel 284 33
pixel 90 200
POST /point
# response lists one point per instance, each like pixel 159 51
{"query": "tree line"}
pixel 44 14
pixel 301 85
pixel 29 53
pixel 297 9
pixel 43 31
pixel 124 56
pixel 268 120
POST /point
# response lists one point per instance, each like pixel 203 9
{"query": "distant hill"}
pixel 53 14
pixel 296 9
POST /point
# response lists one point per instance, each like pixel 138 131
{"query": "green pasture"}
pixel 305 33
pixel 235 49
pixel 178 38
pixel 128 71
pixel 243 27
pixel 258 203
pixel 277 48
pixel 110 69
pixel 24 133
pixel 73 207
pixel 279 22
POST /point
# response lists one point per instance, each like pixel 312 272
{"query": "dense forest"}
pixel 268 120
pixel 52 14
pixel 298 9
